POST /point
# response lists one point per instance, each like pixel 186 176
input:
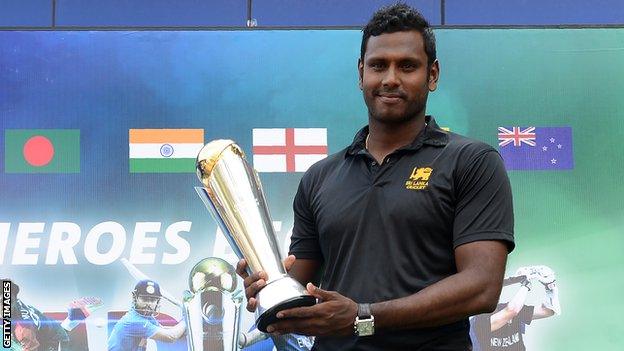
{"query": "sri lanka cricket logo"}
pixel 419 179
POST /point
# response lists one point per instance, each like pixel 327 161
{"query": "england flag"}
pixel 288 149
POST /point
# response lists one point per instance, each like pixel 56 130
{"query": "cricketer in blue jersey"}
pixel 131 332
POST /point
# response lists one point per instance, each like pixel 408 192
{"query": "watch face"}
pixel 365 328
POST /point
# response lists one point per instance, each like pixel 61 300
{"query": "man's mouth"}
pixel 390 98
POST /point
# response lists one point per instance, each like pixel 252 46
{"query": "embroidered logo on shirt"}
pixel 419 179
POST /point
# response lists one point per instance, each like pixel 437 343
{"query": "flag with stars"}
pixel 536 148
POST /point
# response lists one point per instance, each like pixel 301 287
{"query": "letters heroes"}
pixel 103 244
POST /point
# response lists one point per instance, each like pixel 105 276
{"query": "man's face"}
pixel 148 304
pixel 394 77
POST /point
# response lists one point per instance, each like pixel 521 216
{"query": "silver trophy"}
pixel 210 280
pixel 233 194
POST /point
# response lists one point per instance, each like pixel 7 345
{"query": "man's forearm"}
pixel 517 302
pixel 475 289
pixel 456 297
pixel 176 332
pixel 179 329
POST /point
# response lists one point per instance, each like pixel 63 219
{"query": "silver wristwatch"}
pixel 364 324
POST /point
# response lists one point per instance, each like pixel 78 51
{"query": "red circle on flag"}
pixel 38 151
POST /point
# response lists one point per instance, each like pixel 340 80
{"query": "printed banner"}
pixel 99 133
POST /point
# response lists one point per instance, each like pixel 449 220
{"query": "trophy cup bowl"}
pixel 232 192
pixel 209 278
pixel 213 274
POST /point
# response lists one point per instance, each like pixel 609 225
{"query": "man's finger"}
pixel 303 326
pixel 254 278
pixel 251 305
pixel 319 293
pixel 299 312
pixel 241 268
pixel 253 289
pixel 289 261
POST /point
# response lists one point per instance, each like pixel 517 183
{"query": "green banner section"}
pixel 42 151
pixel 162 165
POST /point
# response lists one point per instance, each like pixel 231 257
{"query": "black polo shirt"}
pixel 387 231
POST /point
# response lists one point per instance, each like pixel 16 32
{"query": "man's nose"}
pixel 391 78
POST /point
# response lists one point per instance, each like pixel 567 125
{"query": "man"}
pixel 504 328
pixel 137 325
pixel 33 330
pixel 409 227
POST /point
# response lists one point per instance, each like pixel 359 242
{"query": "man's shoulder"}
pixel 471 154
pixel 321 168
pixel 132 316
pixel 466 144
pixel 28 312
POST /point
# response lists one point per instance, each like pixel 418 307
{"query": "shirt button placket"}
pixel 374 169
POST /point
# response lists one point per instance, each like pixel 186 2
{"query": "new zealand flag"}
pixel 536 148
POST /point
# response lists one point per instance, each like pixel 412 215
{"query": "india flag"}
pixel 164 150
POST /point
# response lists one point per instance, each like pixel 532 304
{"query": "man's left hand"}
pixel 333 315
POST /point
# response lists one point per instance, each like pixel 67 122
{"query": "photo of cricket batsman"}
pixel 34 330
pixel 505 328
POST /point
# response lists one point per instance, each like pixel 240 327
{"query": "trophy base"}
pixel 278 295
pixel 269 316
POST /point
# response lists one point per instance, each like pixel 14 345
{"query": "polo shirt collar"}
pixel 432 135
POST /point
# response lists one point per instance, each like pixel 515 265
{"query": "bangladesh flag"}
pixel 42 151
pixel 164 150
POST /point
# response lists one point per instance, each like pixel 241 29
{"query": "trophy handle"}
pixel 238 302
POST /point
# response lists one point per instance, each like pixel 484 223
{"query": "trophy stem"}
pixel 190 332
pixel 237 317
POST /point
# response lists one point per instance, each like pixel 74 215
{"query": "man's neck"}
pixel 383 138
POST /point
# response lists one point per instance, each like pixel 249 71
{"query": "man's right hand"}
pixel 253 283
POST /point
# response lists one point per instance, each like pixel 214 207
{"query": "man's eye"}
pixel 377 65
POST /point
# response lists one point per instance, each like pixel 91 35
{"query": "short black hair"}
pixel 397 18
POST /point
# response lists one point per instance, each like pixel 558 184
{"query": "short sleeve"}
pixel 142 328
pixel 484 208
pixel 304 241
pixel 151 329
pixel 526 314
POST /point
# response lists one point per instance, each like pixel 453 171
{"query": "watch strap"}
pixel 364 311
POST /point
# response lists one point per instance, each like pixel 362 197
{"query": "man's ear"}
pixel 360 73
pixel 434 75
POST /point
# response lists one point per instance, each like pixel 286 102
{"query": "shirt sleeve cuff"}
pixel 505 237
pixel 308 255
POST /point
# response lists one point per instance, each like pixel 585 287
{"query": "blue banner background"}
pixel 228 82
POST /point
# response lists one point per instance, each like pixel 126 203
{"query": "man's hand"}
pixel 530 272
pixel 333 315
pixel 253 283
pixel 526 283
pixel 546 275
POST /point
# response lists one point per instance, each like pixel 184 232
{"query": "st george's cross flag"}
pixel 288 149
pixel 164 150
pixel 536 148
